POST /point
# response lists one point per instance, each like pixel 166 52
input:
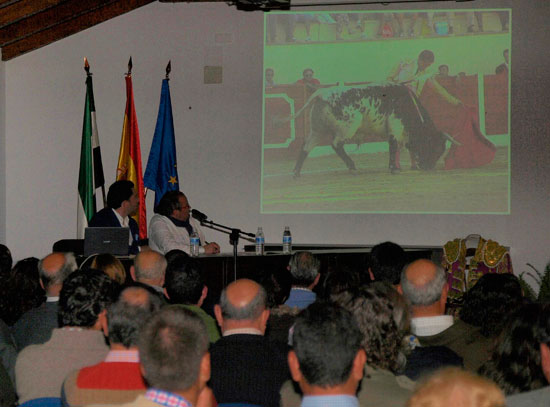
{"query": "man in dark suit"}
pixel 122 204
pixel 36 325
pixel 246 366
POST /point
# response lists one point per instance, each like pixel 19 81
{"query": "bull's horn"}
pixel 451 139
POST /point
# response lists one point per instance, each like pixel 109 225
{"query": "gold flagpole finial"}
pixel 168 69
pixel 87 66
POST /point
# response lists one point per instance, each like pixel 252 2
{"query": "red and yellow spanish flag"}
pixel 129 159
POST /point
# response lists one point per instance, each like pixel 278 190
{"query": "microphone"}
pixel 198 215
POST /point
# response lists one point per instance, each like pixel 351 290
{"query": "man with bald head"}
pixel 118 378
pixel 246 366
pixel 37 324
pixel 149 268
pixel 424 285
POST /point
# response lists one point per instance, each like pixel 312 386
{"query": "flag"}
pixel 129 158
pixel 161 174
pixel 90 176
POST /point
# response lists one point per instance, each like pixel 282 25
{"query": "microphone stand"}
pixel 234 235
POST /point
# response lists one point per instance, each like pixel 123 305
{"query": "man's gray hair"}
pixel 249 312
pixel 154 270
pixel 304 267
pixel 53 277
pixel 426 294
pixel 171 346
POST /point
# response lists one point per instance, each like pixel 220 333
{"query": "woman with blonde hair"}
pixel 453 387
pixel 111 266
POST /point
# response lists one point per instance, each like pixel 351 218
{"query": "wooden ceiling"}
pixel 26 25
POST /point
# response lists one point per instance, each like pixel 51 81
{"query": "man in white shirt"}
pixel 424 285
pixel 171 226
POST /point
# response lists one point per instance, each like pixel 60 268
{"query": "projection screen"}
pixel 387 112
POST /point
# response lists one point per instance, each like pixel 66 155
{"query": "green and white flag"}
pixel 91 169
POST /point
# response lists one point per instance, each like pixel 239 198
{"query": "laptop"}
pixel 113 240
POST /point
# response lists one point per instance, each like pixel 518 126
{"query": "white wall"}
pixel 218 130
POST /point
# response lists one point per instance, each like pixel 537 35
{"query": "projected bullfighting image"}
pixel 404 112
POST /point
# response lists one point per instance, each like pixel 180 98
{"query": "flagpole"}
pixel 88 73
pixel 161 174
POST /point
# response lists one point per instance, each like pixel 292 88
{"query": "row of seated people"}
pixel 99 347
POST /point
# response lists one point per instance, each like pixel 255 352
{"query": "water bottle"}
pixel 287 241
pixel 260 242
pixel 195 243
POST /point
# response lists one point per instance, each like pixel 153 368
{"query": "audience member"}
pixel 519 362
pixel 185 287
pixel 541 396
pixel 111 266
pixel 304 268
pixel 149 268
pixel 171 226
pixel 173 352
pixel 8 356
pixel 8 396
pixel 83 301
pixel 424 285
pixel 174 254
pixel 246 366
pixel 490 301
pixel 338 281
pixel 327 359
pixel 386 262
pixel 453 387
pixel 383 325
pixel 5 260
pixel 122 204
pixel 22 291
pixel 37 324
pixel 118 378
pixel 277 284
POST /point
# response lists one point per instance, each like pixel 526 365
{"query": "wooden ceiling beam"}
pixel 25 8
pixel 4 3
pixel 48 19
pixel 70 27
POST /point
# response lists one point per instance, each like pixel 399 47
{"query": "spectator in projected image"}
pixel 269 74
pixel 471 24
pixel 306 19
pixel 504 17
pixel 443 71
pixel 503 68
pixel 352 22
pixel 449 16
pixel 311 83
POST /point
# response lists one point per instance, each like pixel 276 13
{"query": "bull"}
pixel 353 115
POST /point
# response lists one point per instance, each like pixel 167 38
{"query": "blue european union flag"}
pixel 161 174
